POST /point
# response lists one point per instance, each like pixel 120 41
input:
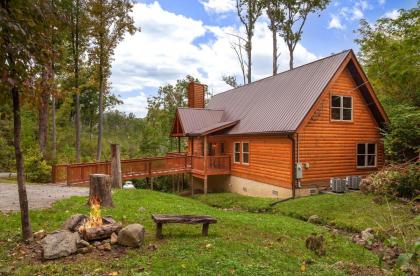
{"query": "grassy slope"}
pixel 241 242
pixel 351 211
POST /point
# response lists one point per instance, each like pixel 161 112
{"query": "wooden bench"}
pixel 187 219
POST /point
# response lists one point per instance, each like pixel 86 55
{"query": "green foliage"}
pixel 395 181
pixel 37 169
pixel 402 134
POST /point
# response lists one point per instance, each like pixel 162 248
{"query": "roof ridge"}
pixel 199 108
pixel 298 67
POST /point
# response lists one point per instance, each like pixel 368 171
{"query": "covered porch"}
pixel 207 158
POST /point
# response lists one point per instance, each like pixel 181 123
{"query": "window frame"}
pixel 234 153
pixel 366 155
pixel 248 152
pixel 341 108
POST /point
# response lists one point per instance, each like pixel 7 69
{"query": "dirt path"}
pixel 39 196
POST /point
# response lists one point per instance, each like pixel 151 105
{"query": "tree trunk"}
pixel 100 188
pixel 43 117
pixel 23 199
pixel 274 32
pixel 116 166
pixel 76 84
pixel 249 54
pixel 54 130
pixel 290 58
pixel 101 100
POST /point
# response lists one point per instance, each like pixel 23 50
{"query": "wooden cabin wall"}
pixel 270 158
pixel 329 146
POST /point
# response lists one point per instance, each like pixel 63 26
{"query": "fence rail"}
pixel 145 167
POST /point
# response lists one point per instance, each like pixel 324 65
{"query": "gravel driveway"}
pixel 39 196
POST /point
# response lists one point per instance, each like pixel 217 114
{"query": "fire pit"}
pixel 82 234
pixel 96 227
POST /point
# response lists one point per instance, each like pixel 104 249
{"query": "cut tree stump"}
pixel 116 166
pixel 100 188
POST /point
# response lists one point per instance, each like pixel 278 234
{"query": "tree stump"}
pixel 116 166
pixel 100 188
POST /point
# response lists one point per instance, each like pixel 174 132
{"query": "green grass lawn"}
pixel 353 211
pixel 241 243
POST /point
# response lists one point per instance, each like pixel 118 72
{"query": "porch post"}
pixel 205 163
pixel 192 184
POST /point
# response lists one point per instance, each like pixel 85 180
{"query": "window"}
pixel 237 152
pixel 341 108
pixel 245 152
pixel 366 155
pixel 222 148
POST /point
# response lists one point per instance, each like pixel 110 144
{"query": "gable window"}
pixel 366 155
pixel 245 152
pixel 341 108
pixel 237 152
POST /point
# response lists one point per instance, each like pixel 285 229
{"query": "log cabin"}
pixel 286 135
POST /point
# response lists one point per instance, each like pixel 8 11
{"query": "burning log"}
pixel 101 232
pixel 96 227
pixel 100 188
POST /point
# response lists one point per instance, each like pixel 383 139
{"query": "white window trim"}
pixel 242 152
pixel 234 152
pixel 366 155
pixel 341 108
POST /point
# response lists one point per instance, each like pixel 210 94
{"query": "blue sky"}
pixel 181 37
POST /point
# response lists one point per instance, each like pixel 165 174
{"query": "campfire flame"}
pixel 95 218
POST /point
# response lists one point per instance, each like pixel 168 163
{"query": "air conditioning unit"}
pixel 353 182
pixel 338 185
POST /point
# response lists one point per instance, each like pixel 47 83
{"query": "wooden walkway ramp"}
pixel 76 174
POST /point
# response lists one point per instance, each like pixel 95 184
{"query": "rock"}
pixel 314 219
pixel 72 224
pixel 114 238
pixel 132 235
pixel 84 250
pixel 39 235
pixel 97 243
pixel 152 247
pixel 59 244
pixel 108 220
pixel 82 243
pixel 367 235
pixel 107 246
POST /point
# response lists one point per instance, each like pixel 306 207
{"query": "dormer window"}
pixel 341 108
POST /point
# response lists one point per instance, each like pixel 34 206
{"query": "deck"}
pixel 76 174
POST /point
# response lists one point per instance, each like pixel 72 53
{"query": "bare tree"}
pixel 248 12
pixel 274 14
pixel 293 18
pixel 239 47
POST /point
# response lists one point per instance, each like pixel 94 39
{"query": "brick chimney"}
pixel 196 95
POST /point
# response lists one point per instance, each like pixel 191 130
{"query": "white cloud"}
pixel 357 14
pixel 381 2
pixel 166 50
pixel 136 105
pixel 394 14
pixel 335 23
pixel 218 6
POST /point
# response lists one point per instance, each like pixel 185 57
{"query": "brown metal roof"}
pixel 279 103
pixel 273 105
pixel 193 119
pixel 213 128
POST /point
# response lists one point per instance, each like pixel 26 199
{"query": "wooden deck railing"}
pixel 144 167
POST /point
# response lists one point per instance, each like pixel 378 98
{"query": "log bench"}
pixel 187 219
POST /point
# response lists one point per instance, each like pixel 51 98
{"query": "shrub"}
pixel 36 169
pixel 394 180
